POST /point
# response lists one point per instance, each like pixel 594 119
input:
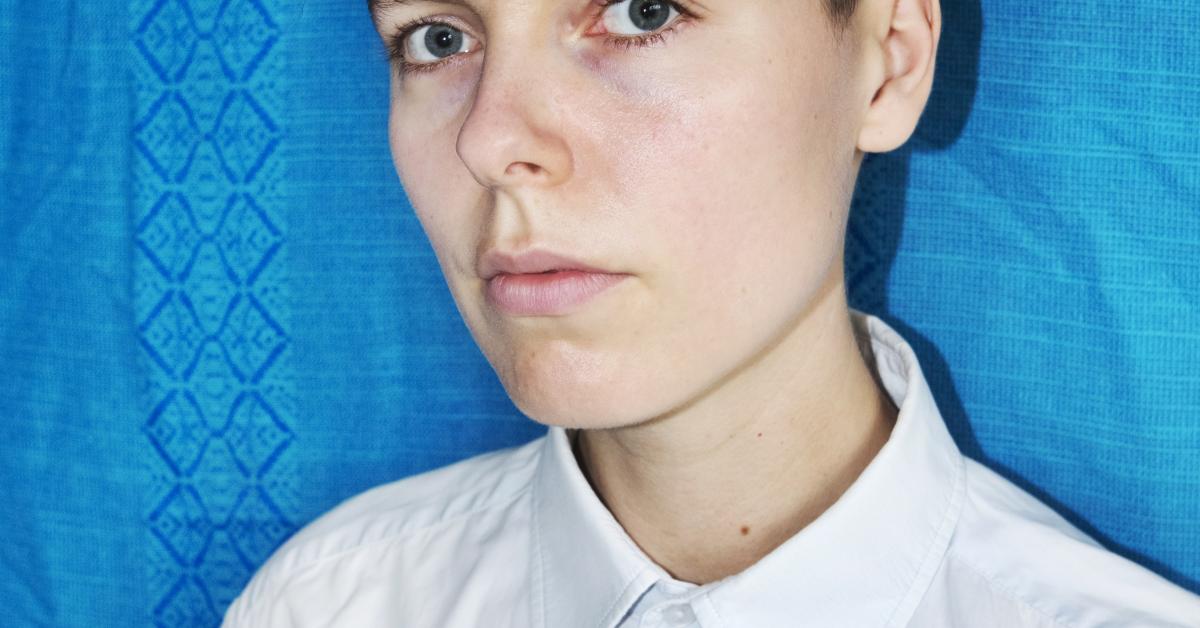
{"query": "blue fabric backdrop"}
pixel 219 317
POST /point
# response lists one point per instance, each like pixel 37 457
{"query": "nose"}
pixel 513 134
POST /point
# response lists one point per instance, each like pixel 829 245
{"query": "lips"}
pixel 535 261
pixel 542 283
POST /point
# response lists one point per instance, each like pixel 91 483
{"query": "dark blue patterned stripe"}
pixel 212 322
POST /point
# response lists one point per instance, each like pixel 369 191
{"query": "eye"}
pixel 429 43
pixel 636 17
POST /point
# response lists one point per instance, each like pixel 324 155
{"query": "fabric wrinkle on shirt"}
pixel 516 537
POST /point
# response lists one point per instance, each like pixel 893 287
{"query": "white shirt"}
pixel 517 538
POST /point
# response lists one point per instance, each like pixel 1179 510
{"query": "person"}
pixel 639 207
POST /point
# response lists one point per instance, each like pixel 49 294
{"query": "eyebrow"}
pixel 383 5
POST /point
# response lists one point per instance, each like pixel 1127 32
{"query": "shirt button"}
pixel 679 615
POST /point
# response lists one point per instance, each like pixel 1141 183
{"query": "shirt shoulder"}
pixel 338 555
pixel 1016 562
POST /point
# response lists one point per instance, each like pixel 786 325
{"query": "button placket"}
pixel 678 615
pixel 651 618
pixel 668 604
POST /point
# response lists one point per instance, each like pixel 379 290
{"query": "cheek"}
pixel 424 119
pixel 437 185
pixel 737 186
pixel 731 193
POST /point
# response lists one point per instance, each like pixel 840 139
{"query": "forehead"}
pixel 384 11
pixel 381 8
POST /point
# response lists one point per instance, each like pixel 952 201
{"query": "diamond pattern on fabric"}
pixel 244 135
pixel 185 605
pixel 182 524
pixel 168 235
pixel 207 85
pixel 255 434
pixel 243 35
pixel 212 323
pixel 248 238
pixel 258 527
pixel 224 570
pixel 172 334
pixel 168 136
pixel 210 189
pixel 177 430
pixel 166 39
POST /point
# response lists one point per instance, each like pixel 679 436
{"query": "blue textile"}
pixel 219 317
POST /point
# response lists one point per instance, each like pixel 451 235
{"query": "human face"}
pixel 712 167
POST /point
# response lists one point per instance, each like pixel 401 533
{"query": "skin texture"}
pixel 722 396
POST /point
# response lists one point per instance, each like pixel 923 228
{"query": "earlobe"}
pixel 906 57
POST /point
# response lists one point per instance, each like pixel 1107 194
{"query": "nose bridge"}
pixel 512 131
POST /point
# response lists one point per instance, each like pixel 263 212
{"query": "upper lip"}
pixel 496 262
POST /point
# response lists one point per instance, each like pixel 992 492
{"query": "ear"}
pixel 901 49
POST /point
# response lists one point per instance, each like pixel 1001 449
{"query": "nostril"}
pixel 517 166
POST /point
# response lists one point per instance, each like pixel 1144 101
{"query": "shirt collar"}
pixel 866 561
pixel 588 571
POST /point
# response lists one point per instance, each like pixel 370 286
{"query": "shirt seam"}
pixel 1010 594
pixel 952 510
pixel 282 585
pixel 624 590
pixel 716 611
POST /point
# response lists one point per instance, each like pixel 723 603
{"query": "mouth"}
pixel 531 261
pixel 538 282
pixel 548 293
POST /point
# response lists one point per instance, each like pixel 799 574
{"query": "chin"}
pixel 580 400
pixel 579 407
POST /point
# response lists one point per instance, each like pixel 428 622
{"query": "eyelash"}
pixel 395 44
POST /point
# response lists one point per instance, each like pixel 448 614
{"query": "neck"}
pixel 711 488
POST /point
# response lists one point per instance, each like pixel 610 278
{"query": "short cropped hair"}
pixel 840 11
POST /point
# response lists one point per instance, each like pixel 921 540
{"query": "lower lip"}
pixel 547 294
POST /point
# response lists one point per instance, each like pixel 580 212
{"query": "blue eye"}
pixel 433 42
pixel 427 43
pixel 637 17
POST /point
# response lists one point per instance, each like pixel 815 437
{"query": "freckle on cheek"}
pixel 745 530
